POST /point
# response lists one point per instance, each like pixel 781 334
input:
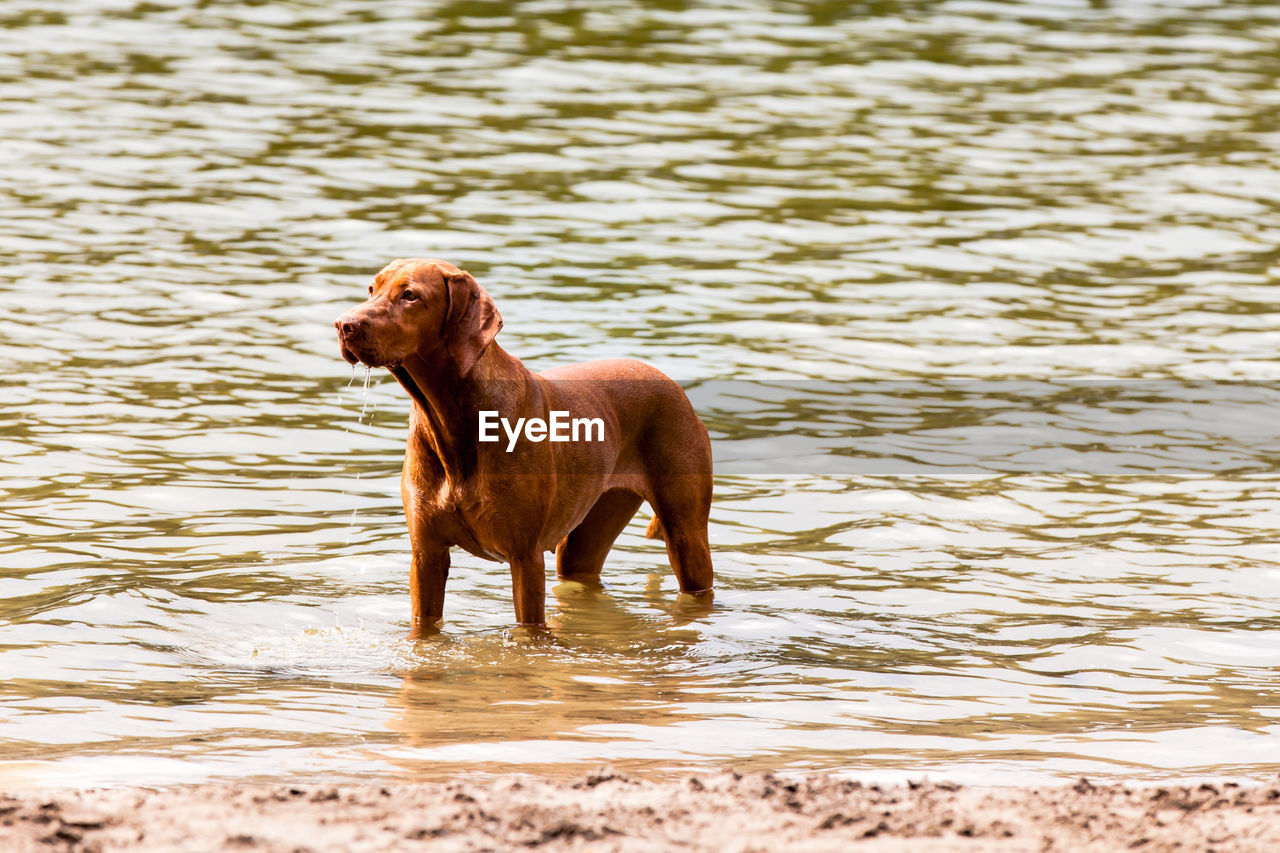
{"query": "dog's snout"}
pixel 348 326
pixel 351 337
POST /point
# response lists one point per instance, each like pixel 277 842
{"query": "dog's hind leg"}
pixel 580 556
pixel 683 507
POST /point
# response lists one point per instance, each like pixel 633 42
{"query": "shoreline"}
pixel 724 812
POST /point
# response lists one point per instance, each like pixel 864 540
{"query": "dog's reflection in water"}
pixel 599 672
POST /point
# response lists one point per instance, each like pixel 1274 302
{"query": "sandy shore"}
pixel 722 812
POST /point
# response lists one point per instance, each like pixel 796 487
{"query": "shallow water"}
pixel 203 553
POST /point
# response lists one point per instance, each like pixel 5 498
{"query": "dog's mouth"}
pixel 354 353
pixel 356 350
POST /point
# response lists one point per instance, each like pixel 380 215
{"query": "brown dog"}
pixel 516 497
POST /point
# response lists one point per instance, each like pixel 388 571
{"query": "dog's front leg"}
pixel 529 589
pixel 427 578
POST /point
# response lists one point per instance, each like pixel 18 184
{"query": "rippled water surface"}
pixel 202 551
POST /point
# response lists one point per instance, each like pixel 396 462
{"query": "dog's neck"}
pixel 448 402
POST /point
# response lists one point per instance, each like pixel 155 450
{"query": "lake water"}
pixel 940 242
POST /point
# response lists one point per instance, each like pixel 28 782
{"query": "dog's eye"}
pixel 408 296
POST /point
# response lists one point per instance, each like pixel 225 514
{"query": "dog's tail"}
pixel 655 530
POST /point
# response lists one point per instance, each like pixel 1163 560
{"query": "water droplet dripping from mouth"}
pixel 365 408
pixel 364 404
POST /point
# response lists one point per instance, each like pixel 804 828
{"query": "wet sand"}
pixel 721 812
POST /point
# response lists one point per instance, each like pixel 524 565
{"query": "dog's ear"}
pixel 472 321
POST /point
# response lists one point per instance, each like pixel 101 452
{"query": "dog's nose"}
pixel 346 327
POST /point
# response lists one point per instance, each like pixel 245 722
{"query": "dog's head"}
pixel 420 306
